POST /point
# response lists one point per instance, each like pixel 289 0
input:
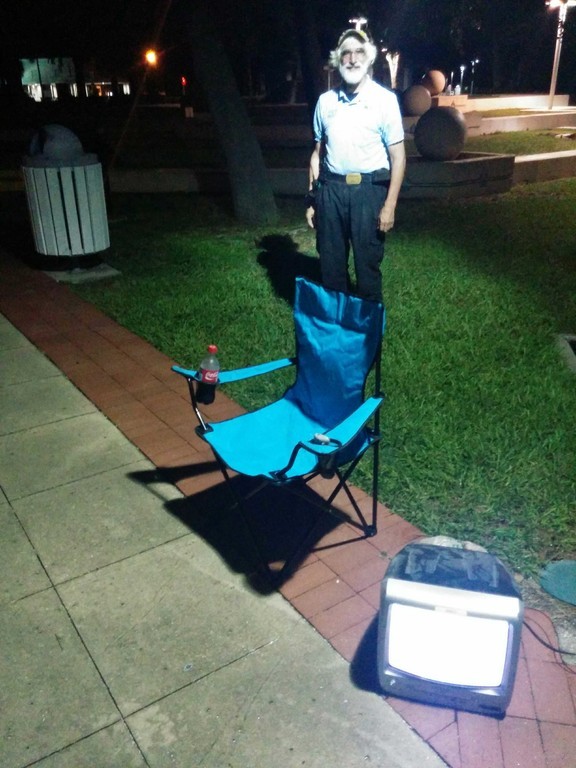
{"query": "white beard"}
pixel 354 75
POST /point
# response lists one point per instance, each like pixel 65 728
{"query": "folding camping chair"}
pixel 322 425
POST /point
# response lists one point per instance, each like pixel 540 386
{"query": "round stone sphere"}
pixel 440 134
pixel 416 100
pixel 434 81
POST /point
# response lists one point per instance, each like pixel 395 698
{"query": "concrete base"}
pixel 466 103
pixel 529 169
pixel 539 121
pixel 473 173
pixel 89 275
pixel 470 174
pixel 518 101
pixel 459 101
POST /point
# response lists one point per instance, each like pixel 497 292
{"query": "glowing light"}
pixel 151 57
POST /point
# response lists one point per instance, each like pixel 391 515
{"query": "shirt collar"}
pixel 343 96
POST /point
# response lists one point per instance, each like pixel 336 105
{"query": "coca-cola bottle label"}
pixel 209 377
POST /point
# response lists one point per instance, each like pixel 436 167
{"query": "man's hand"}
pixel 313 174
pixel 310 216
pixel 386 217
pixel 397 154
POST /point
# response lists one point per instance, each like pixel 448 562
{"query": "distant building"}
pixel 56 78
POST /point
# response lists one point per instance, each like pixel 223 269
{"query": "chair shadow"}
pixel 279 524
pixel 276 523
pixel 284 263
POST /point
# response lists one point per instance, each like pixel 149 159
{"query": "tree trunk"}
pixel 251 189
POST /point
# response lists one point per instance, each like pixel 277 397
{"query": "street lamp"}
pixel 462 70
pixel 151 57
pixel 562 6
pixel 473 64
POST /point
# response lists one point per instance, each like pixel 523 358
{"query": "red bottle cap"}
pixel 212 348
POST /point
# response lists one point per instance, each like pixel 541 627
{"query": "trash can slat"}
pixel 73 236
pixel 97 201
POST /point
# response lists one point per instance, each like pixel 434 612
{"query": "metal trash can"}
pixel 65 192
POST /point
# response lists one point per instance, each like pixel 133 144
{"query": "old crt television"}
pixel 449 629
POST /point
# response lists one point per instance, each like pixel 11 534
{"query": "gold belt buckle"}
pixel 353 178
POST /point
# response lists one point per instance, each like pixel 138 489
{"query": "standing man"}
pixel 356 169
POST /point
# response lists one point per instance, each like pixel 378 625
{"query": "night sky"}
pixel 514 41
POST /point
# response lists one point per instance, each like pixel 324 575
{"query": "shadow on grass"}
pixel 276 523
pixel 284 263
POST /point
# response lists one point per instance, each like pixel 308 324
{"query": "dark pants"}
pixel 347 215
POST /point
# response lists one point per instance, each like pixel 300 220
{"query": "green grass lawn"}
pixel 478 422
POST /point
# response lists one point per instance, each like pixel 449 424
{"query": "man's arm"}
pixel 313 174
pixel 314 170
pixel 397 153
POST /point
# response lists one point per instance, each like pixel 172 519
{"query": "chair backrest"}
pixel 338 338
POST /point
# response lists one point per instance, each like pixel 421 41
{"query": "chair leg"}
pixel 369 528
pixel 238 503
pixel 375 476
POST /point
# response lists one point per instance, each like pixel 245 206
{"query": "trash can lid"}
pixel 55 145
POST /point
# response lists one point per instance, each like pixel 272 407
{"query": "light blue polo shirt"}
pixel 357 131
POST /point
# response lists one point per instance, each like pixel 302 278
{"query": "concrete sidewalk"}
pixel 126 640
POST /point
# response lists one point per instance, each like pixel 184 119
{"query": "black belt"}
pixel 376 177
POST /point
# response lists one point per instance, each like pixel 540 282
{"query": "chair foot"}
pixel 370 531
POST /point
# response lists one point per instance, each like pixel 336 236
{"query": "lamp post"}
pixel 473 64
pixel 562 6
pixel 462 70
pixel 151 74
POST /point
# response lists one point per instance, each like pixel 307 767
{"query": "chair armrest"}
pixel 343 433
pixel 226 377
pixel 326 443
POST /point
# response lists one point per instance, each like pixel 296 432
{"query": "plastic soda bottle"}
pixel 209 369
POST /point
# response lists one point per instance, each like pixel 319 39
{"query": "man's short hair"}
pixel 362 37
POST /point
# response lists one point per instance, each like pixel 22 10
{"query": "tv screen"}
pixel 447 647
pixel 449 630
